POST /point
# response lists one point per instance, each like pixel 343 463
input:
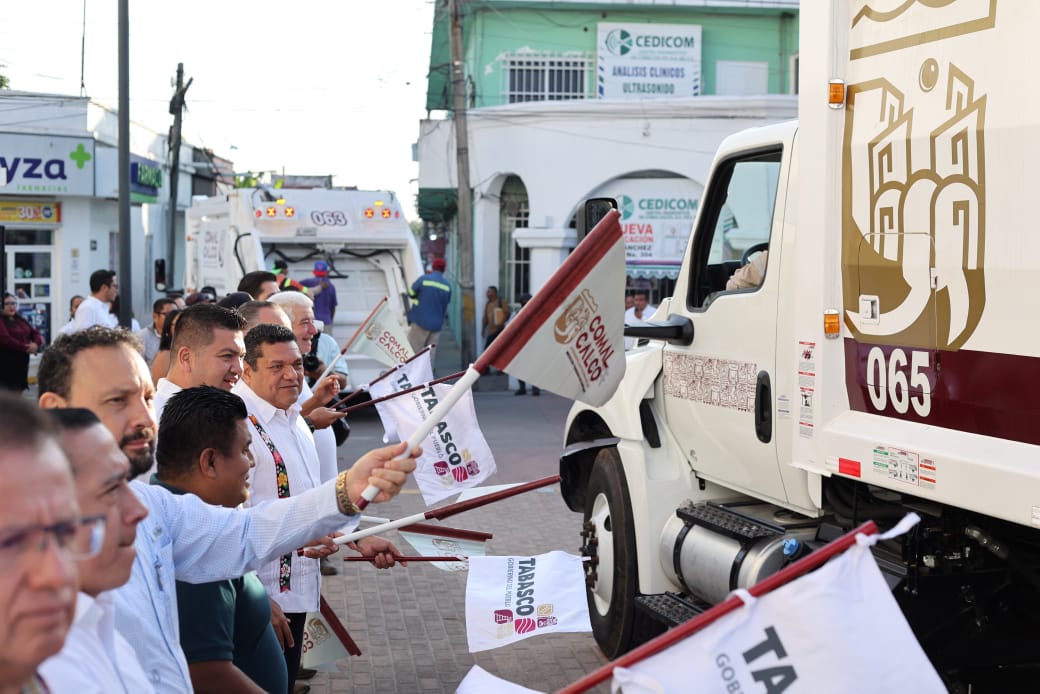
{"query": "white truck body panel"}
pixel 363 235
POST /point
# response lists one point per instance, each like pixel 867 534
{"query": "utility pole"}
pixel 465 195
pixel 125 272
pixel 176 107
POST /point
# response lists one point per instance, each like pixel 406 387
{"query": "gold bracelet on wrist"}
pixel 346 506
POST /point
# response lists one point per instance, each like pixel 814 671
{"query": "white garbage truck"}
pixel 363 235
pixel 885 362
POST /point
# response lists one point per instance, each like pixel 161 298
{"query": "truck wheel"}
pixel 608 539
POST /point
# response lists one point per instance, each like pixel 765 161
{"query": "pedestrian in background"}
pixel 496 313
pixel 74 303
pixel 18 339
pixel 96 308
pixel 522 390
pixel 323 293
pixel 430 294
pixel 161 363
pixel 259 284
pixel 152 335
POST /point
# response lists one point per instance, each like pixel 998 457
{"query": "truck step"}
pixel 727 521
pixel 669 609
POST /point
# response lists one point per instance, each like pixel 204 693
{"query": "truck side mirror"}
pixel 590 212
pixel 160 275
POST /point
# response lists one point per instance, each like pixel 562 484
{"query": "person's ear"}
pixel 184 358
pixel 52 401
pixel 208 463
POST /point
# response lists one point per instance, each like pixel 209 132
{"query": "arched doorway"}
pixel 514 261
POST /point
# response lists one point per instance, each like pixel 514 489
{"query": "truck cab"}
pixel 865 361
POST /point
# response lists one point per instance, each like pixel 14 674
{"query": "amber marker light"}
pixel 290 211
pixel 836 94
pixel 831 323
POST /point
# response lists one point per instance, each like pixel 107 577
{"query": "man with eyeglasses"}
pixel 112 511
pixel 152 335
pixel 39 534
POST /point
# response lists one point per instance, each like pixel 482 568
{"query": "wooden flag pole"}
pixel 402 558
pixel 337 628
pixel 350 342
pixel 391 396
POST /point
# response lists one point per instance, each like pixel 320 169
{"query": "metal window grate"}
pixel 545 78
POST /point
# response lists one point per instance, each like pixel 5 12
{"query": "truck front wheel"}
pixel 608 539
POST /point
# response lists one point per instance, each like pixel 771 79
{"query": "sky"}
pixel 307 87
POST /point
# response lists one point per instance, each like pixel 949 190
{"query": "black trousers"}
pixel 297 620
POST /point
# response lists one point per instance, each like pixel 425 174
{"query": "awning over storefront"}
pixel 437 204
pixel 653 271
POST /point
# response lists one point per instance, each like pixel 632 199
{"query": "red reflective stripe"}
pixel 849 467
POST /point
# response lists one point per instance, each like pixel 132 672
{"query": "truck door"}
pixel 718 391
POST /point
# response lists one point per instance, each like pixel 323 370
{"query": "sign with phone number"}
pixel 28 211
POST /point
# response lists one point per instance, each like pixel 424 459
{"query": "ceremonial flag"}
pixel 382 337
pixel 480 681
pixel 455 454
pixel 325 640
pixel 509 599
pixel 569 338
pixel 836 629
pixel 434 546
pixel 415 371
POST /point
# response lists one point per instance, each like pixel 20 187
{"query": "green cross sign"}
pixel 81 156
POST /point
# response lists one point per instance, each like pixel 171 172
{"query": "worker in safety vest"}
pixel 430 296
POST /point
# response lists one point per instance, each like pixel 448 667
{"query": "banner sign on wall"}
pixel 647 61
pixel 656 218
pixel 54 165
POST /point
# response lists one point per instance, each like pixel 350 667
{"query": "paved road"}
pixel 410 622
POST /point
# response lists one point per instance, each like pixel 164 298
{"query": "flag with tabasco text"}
pixel 569 338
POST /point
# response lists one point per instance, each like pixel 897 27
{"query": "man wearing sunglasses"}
pixel 39 529
pixel 111 511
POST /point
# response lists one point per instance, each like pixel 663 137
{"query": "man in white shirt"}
pixel 286 465
pixel 152 335
pixel 207 350
pixel 96 308
pixel 184 538
pixel 39 523
pixel 93 645
pixel 641 310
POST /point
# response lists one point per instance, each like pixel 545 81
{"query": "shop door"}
pixel 29 277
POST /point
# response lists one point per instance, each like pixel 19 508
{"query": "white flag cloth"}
pixel 455 454
pixel 413 373
pixel 837 629
pixel 383 338
pixel 437 546
pixel 509 599
pixel 321 648
pixel 569 339
pixel 480 681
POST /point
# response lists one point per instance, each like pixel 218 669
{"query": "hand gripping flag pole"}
pixel 446 511
pixel 579 312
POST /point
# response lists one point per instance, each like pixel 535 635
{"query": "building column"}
pixel 549 247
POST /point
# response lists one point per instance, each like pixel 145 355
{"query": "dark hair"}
pixel 235 299
pixel 193 420
pixel 251 309
pixel 55 373
pixel 23 425
pixel 99 279
pixel 166 336
pixel 159 304
pixel 265 334
pixel 251 281
pixel 73 299
pixel 72 418
pixel 197 323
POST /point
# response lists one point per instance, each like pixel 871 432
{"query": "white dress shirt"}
pixel 294 442
pixel 324 442
pixel 93 312
pixel 184 538
pixel 164 390
pixel 95 659
pixel 631 319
